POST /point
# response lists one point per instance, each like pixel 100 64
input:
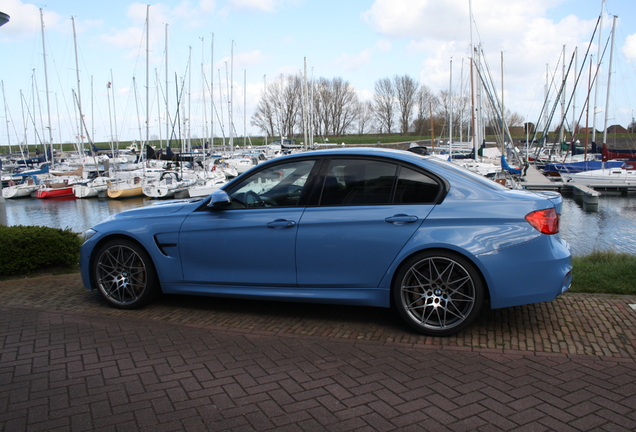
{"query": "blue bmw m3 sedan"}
pixel 363 226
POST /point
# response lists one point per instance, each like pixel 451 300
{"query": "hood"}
pixel 156 209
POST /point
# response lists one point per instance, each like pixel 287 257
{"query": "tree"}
pixel 365 117
pixel 335 106
pixel 278 113
pixel 426 104
pixel 456 108
pixel 406 95
pixel 384 104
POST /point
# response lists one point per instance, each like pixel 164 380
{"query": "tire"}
pixel 124 274
pixel 438 293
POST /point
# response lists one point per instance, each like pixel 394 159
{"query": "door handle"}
pixel 281 223
pixel 401 219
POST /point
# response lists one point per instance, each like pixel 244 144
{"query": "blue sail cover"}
pixel 575 167
pixel 43 170
pixel 505 166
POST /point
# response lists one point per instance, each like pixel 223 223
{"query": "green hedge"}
pixel 26 249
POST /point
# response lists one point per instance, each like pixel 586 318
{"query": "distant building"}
pixel 582 131
pixel 517 130
pixel 616 129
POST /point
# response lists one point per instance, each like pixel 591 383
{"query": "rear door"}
pixel 368 210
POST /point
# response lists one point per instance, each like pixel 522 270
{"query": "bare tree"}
pixel 263 117
pixel 365 117
pixel 335 106
pixel 516 119
pixel 384 104
pixel 406 94
pixel 279 110
pixel 427 103
pixel 460 113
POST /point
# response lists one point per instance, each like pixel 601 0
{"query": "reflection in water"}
pixel 74 214
pixel 610 225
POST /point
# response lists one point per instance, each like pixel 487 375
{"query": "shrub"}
pixel 26 249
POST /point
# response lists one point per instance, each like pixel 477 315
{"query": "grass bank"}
pixel 604 272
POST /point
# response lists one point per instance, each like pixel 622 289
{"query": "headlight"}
pixel 87 234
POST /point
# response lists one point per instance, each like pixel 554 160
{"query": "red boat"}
pixel 55 190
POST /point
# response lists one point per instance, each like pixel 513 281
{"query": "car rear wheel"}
pixel 124 274
pixel 438 293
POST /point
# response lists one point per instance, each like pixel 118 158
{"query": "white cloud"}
pixel 440 30
pixel 383 45
pixel 243 60
pixel 126 38
pixel 257 5
pixel 207 6
pixel 629 49
pixel 25 19
pixel 351 62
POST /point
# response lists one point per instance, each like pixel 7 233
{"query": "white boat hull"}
pixel 19 191
pixel 608 176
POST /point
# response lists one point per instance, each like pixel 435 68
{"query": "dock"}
pixel 588 193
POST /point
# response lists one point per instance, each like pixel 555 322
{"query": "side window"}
pixel 414 188
pixel 358 182
pixel 276 186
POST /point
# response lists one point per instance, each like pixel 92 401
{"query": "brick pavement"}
pixel 70 363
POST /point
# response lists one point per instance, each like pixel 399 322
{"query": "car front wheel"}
pixel 438 293
pixel 124 274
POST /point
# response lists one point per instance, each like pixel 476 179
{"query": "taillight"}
pixel 546 221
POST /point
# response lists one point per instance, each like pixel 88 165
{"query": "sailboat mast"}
pixel 212 92
pixel 189 124
pixel 305 104
pixel 4 98
pixel 598 67
pixel 562 128
pixel 203 92
pixel 79 93
pixel 46 84
pixel 167 93
pixel 472 82
pixel 450 110
pixel 503 107
pixel 609 81
pixel 244 108
pixel 112 88
pixel 147 76
pixel 231 91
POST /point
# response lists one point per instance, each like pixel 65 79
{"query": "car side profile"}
pixel 373 227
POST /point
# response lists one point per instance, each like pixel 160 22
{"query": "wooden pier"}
pixel 534 180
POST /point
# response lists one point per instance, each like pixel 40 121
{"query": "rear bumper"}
pixel 533 272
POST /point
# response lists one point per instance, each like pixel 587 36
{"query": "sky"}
pixel 244 44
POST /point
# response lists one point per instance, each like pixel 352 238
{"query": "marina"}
pixel 608 225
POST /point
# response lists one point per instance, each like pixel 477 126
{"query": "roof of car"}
pixel 363 151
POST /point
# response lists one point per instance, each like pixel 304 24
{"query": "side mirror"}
pixel 219 199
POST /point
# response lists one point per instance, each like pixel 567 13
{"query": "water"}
pixel 609 226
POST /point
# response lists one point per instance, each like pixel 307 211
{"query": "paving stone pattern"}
pixel 70 363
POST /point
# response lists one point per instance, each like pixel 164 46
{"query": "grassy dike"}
pixel 33 251
pixel 604 272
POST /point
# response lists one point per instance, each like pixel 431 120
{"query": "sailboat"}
pixel 603 176
pixel 91 188
pixel 624 174
pixel 168 183
pixel 60 185
pixel 125 188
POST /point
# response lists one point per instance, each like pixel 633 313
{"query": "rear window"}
pixel 368 182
